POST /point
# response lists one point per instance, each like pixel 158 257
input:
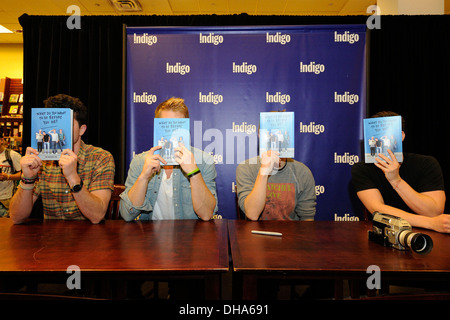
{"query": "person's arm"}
pixel 255 200
pixel 92 204
pixel 133 200
pixel 373 201
pixel 306 200
pixel 430 203
pixel 21 204
pixel 23 200
pixel 7 176
pixel 203 201
pixel 151 165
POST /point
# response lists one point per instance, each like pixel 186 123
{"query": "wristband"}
pixel 28 180
pixel 193 172
pixel 26 187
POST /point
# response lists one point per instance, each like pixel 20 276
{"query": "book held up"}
pixel 51 131
pixel 169 133
pixel 276 132
pixel 380 135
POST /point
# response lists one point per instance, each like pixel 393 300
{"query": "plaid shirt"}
pixel 95 167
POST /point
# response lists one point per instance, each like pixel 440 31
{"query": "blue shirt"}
pixel 182 200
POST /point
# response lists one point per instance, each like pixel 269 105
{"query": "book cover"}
pixel 382 134
pixel 13 98
pixel 169 133
pixel 13 109
pixel 276 132
pixel 51 131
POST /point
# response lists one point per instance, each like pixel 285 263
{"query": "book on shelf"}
pixel 382 134
pixel 51 131
pixel 13 98
pixel 169 133
pixel 276 132
pixel 13 109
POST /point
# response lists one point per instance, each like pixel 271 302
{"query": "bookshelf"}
pixel 11 115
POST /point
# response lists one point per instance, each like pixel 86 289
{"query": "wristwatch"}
pixel 76 188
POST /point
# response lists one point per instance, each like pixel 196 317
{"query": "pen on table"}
pixel 267 233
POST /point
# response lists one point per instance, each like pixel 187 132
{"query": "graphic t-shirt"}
pixel 290 193
pixel 280 201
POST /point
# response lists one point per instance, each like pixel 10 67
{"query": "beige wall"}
pixel 11 60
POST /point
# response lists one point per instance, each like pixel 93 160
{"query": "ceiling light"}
pixel 126 5
pixel 4 30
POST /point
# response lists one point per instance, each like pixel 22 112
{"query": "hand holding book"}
pixel 152 163
pixel 185 158
pixel 269 161
pixel 389 166
pixel 68 163
pixel 30 163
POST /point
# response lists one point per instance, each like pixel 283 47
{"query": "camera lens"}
pixel 421 243
pixel 418 242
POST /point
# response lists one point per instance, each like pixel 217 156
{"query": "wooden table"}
pixel 326 250
pixel 116 249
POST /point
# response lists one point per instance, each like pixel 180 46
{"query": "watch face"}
pixel 77 187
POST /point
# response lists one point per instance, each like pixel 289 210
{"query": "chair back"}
pixel 240 215
pixel 113 210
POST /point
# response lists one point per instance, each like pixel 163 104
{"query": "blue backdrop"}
pixel 228 75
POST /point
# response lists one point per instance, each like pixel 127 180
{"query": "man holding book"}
pixel 274 186
pixel 76 187
pixel 412 190
pixel 156 191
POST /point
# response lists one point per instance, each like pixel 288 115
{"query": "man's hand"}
pixel 152 163
pixel 390 167
pixel 30 163
pixel 269 160
pixel 441 223
pixel 68 163
pixel 185 158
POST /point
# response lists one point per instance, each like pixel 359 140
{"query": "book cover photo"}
pixel 51 131
pixel 276 132
pixel 382 134
pixel 169 133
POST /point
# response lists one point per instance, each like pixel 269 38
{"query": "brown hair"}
pixel 389 114
pixel 172 104
pixel 65 101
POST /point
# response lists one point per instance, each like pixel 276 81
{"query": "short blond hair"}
pixel 172 104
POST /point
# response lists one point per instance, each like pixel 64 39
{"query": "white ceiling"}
pixel 11 10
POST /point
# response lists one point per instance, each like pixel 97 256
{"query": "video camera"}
pixel 395 232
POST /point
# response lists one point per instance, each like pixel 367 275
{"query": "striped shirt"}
pixel 95 167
